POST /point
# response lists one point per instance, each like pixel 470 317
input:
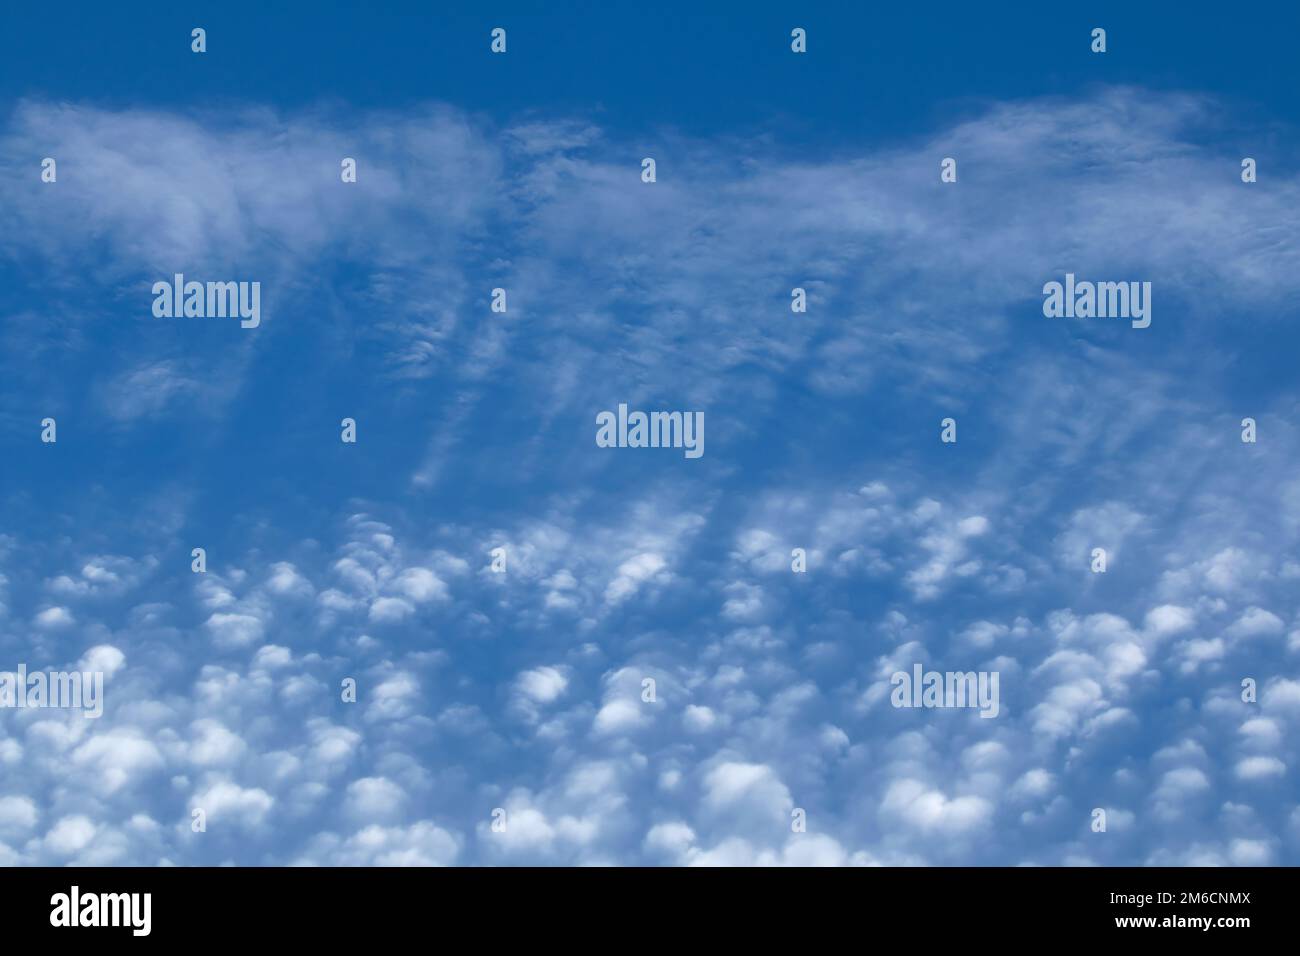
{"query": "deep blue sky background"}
pixel 476 430
pixel 877 73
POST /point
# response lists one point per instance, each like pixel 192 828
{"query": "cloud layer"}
pixel 525 691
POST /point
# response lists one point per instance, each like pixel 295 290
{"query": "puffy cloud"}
pixel 102 658
pixel 18 814
pixel 1168 619
pixel 1259 768
pixel 70 835
pixel 669 840
pixel 233 630
pixel 213 745
pixel 390 610
pixel 54 618
pixel 229 804
pixel 914 804
pixel 375 798
pixel 421 844
pixel 287 582
pixel 1256 622
pixel 631 574
pixel 543 685
pixel 119 758
pixel 421 585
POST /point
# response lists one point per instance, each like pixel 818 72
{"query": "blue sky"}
pixel 523 690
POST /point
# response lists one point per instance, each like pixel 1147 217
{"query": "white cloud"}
pixel 632 573
pixel 914 804
pixel 375 798
pixel 54 618
pixel 287 582
pixel 226 803
pixel 1259 768
pixel 234 630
